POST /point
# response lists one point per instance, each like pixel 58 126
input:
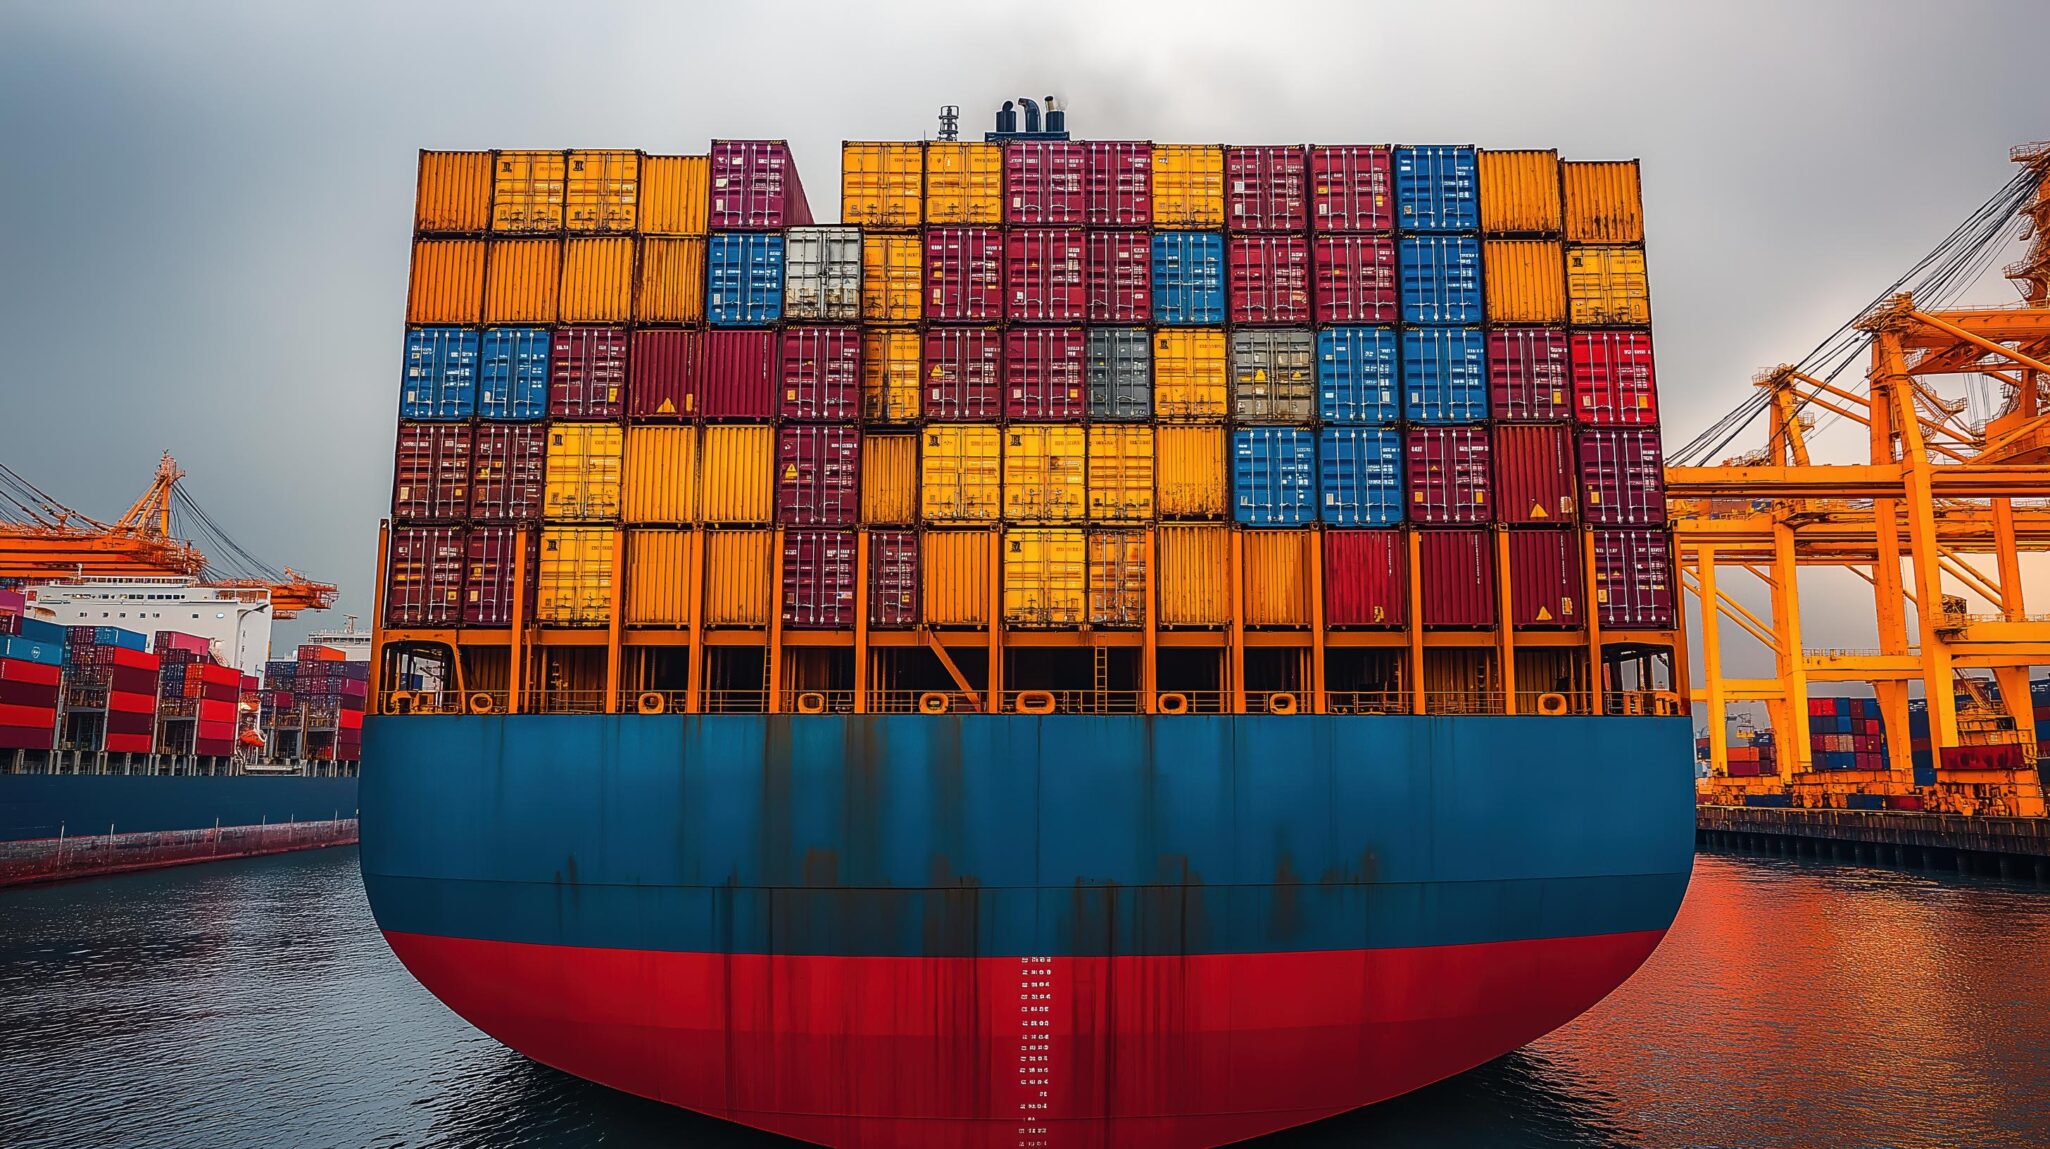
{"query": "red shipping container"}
pixel 189 643
pixel 1622 477
pixel 818 579
pixel 117 743
pixel 1043 182
pixel 1120 183
pixel 964 274
pixel 349 719
pixel 1349 188
pixel 488 575
pixel 818 475
pixel 1264 189
pixel 962 372
pixel 663 380
pixel 126 659
pixel 1366 578
pixel 1458 575
pixel 587 373
pixel 131 721
pixel 1746 769
pixel 1613 383
pixel 1270 279
pixel 1043 275
pixel 755 185
pixel 1046 373
pixel 1355 278
pixel 506 483
pixel 1633 573
pixel 134 679
pixel 822 373
pixel 737 375
pixel 216 710
pixel 1448 474
pixel 431 472
pixel 40 737
pixel 130 702
pixel 22 670
pixel 1544 577
pixel 34 693
pixel 893 578
pixel 12 714
pixel 1536 472
pixel 2006 756
pixel 424 585
pixel 1120 276
pixel 1529 377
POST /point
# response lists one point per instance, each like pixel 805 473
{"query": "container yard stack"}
pixel 331 693
pixel 110 691
pixel 284 720
pixel 1844 734
pixel 198 703
pixel 31 677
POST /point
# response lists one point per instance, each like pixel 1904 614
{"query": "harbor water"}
pixel 1794 1004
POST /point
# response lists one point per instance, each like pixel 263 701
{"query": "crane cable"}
pixel 190 520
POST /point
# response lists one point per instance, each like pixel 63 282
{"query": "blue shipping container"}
pixel 115 636
pixel 1358 375
pixel 1437 188
pixel 1188 277
pixel 441 374
pixel 38 630
pixel 1441 278
pixel 1274 476
pixel 513 375
pixel 1445 375
pixel 30 650
pixel 744 279
pixel 1360 476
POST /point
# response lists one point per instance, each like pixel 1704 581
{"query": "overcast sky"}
pixel 204 225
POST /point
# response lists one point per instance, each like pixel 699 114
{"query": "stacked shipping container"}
pixel 31 676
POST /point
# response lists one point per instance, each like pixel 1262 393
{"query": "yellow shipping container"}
pixel 1526 280
pixel 597 280
pixel 960 473
pixel 737 474
pixel 889 478
pixel 740 577
pixel 1604 203
pixel 1188 185
pixel 892 278
pixel 1045 473
pixel 1120 472
pixel 964 183
pixel 669 284
pixel 1117 578
pixel 1519 193
pixel 675 195
pixel 1046 576
pixel 661 484
pixel 956 575
pixel 1190 380
pixel 658 582
pixel 454 192
pixel 1607 285
pixel 583 472
pixel 602 192
pixel 448 281
pixel 882 184
pixel 573 586
pixel 1190 472
pixel 1277 577
pixel 889 376
pixel 521 280
pixel 1194 584
pixel 526 191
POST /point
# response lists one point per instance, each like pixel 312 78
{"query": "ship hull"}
pixel 1054 931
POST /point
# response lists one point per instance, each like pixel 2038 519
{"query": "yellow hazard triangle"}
pixel 1537 511
pixel 1544 615
pixel 667 408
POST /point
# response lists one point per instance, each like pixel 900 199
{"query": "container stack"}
pixel 278 703
pixel 331 694
pixel 198 703
pixel 111 681
pixel 31 677
pixel 1846 734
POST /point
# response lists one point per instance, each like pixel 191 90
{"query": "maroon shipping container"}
pixel 1043 182
pixel 38 694
pixel 664 374
pixel 1622 477
pixel 738 374
pixel 424 584
pixel 1046 373
pixel 1270 279
pixel 1043 275
pixel 1264 189
pixel 822 373
pixel 1120 276
pixel 755 185
pixel 962 372
pixel 818 578
pixel 42 737
pixel 431 473
pixel 964 274
pixel 1448 475
pixel 818 475
pixel 1120 183
pixel 1633 578
pixel 506 480
pixel 892 578
pixel 1544 577
pixel 1458 577
pixel 1529 377
pixel 488 577
pixel 134 680
pixel 1366 578
pixel 1537 478
pixel 587 373
pixel 1612 378
pixel 1349 188
pixel 1355 278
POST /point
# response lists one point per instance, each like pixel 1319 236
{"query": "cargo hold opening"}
pixel 1365 681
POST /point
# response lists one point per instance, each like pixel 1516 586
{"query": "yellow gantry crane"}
pixel 1939 505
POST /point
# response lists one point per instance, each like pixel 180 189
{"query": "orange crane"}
pixel 42 540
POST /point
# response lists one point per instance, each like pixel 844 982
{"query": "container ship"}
pixel 1112 643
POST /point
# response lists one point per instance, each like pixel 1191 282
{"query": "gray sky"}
pixel 203 236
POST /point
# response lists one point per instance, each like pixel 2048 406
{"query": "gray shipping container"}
pixel 822 273
pixel 1274 375
pixel 1120 373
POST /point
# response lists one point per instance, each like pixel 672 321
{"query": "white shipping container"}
pixel 822 273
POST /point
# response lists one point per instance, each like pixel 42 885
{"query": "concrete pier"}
pixel 2015 848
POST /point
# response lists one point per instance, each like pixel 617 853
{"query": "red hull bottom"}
pixel 1036 1052
pixel 55 860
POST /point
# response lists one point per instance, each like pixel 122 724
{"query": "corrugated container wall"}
pixel 1526 281
pixel 739 589
pixel 1045 577
pixel 661 483
pixel 669 284
pixel 1457 576
pixel 1366 581
pixel 1188 277
pixel 892 278
pixel 1529 377
pixel 454 192
pixel 526 191
pixel 574 586
pixel 1360 476
pixel 1274 476
pixel 597 281
pixel 1194 581
pixel 587 373
pixel 1193 481
pixel 962 374
pixel 1622 477
pixel 1519 192
pixel 744 279
pixel 1118 266
pixel 447 284
pixel 889 478
pixel 1534 473
pixel 507 483
pixel 882 184
pixel 1603 202
pixel 1607 286
pixel 961 473
pixel 583 476
pixel 1188 185
pixel 488 576
pixel 1358 375
pixel 737 474
pixel 602 192
pixel 1117 578
pixel 1450 475
pixel 1043 182
pixel 1351 188
pixel 959 569
pixel 964 183
pixel 512 374
pixel 755 185
pixel 1273 376
pixel 818 579
pixel 1633 578
pixel 1436 188
pixel 662 374
pixel 1118 183
pixel 522 278
pixel 890 380
pixel 964 274
pixel 1266 188
pixel 657 578
pixel 1544 578
pixel 431 473
pixel 822 273
pixel 893 579
pixel 675 195
pixel 1120 373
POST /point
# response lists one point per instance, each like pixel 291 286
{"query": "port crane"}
pixel 42 539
